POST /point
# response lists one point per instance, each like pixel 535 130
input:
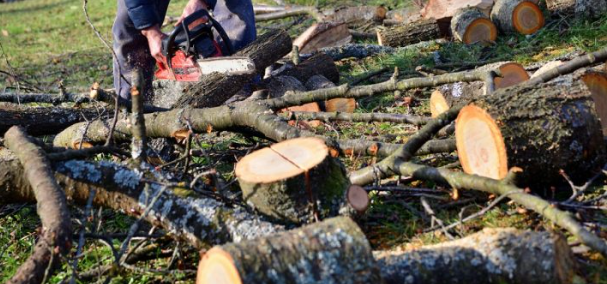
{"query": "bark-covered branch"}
pixel 51 207
pixel 196 219
pixel 358 117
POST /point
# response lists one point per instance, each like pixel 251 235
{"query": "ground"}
pixel 49 41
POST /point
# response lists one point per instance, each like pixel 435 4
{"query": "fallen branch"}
pixel 51 207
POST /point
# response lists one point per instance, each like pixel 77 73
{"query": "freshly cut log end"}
pixel 293 181
pixel 520 16
pixel 543 128
pixel 480 145
pixel 217 267
pixel 472 26
pixel 512 74
pixel 332 251
pixel 333 105
pixel 358 198
pixel 438 103
pixel 597 84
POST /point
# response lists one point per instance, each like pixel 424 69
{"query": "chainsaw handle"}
pixel 183 27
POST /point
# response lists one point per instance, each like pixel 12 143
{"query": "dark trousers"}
pixel 131 47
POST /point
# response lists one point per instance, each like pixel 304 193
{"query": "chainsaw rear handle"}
pixel 185 28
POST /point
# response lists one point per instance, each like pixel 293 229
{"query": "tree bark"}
pixel 347 105
pixel 318 64
pixel 583 9
pixel 489 256
pixel 542 129
pixel 520 16
pixel 198 220
pixel 403 35
pixel 45 120
pixel 215 89
pixel 294 181
pixel 470 25
pixel 447 96
pixel 333 251
pixel 51 207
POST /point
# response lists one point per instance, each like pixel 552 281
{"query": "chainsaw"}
pixel 191 51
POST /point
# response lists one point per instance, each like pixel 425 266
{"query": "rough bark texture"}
pixel 215 89
pixel 490 256
pixel 198 220
pixel 443 9
pixel 355 17
pixel 297 199
pixel 333 251
pixel 406 15
pixel 278 86
pixel 546 128
pixel 318 64
pixel 503 15
pixel 579 8
pixel 19 98
pixel 403 35
pixel 45 120
pixel 324 34
pixel 464 19
pixel 51 207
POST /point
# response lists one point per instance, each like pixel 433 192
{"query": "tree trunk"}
pixel 470 25
pixel 325 34
pixel 517 16
pixel 403 35
pixel 347 105
pixel 45 120
pixel 215 89
pixel 542 129
pixel 583 9
pixel 333 251
pixel 294 181
pixel 489 256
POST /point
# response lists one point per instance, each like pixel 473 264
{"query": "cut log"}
pixel 583 9
pixel 461 93
pixel 324 34
pixel 406 15
pixel 402 35
pixel 472 26
pixel 333 105
pixel 277 88
pixel 597 84
pixel 542 129
pixel 520 16
pixel 489 256
pixel 318 64
pixel 356 16
pixel 215 89
pixel 45 120
pixel 445 9
pixel 446 96
pixel 294 181
pixel 333 251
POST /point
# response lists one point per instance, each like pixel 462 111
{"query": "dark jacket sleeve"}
pixel 143 13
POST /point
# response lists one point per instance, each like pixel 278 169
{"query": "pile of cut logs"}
pixel 512 131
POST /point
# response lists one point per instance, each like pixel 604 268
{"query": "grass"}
pixel 47 41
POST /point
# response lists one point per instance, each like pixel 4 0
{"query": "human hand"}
pixel 155 36
pixel 190 8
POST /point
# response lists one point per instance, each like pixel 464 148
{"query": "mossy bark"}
pixel 547 128
pixel 332 251
pixel 411 33
pixel 297 199
pixel 490 256
pixel 583 9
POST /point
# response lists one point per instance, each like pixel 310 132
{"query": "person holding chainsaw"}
pixel 138 38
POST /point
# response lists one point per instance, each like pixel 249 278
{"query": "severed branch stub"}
pixel 51 207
